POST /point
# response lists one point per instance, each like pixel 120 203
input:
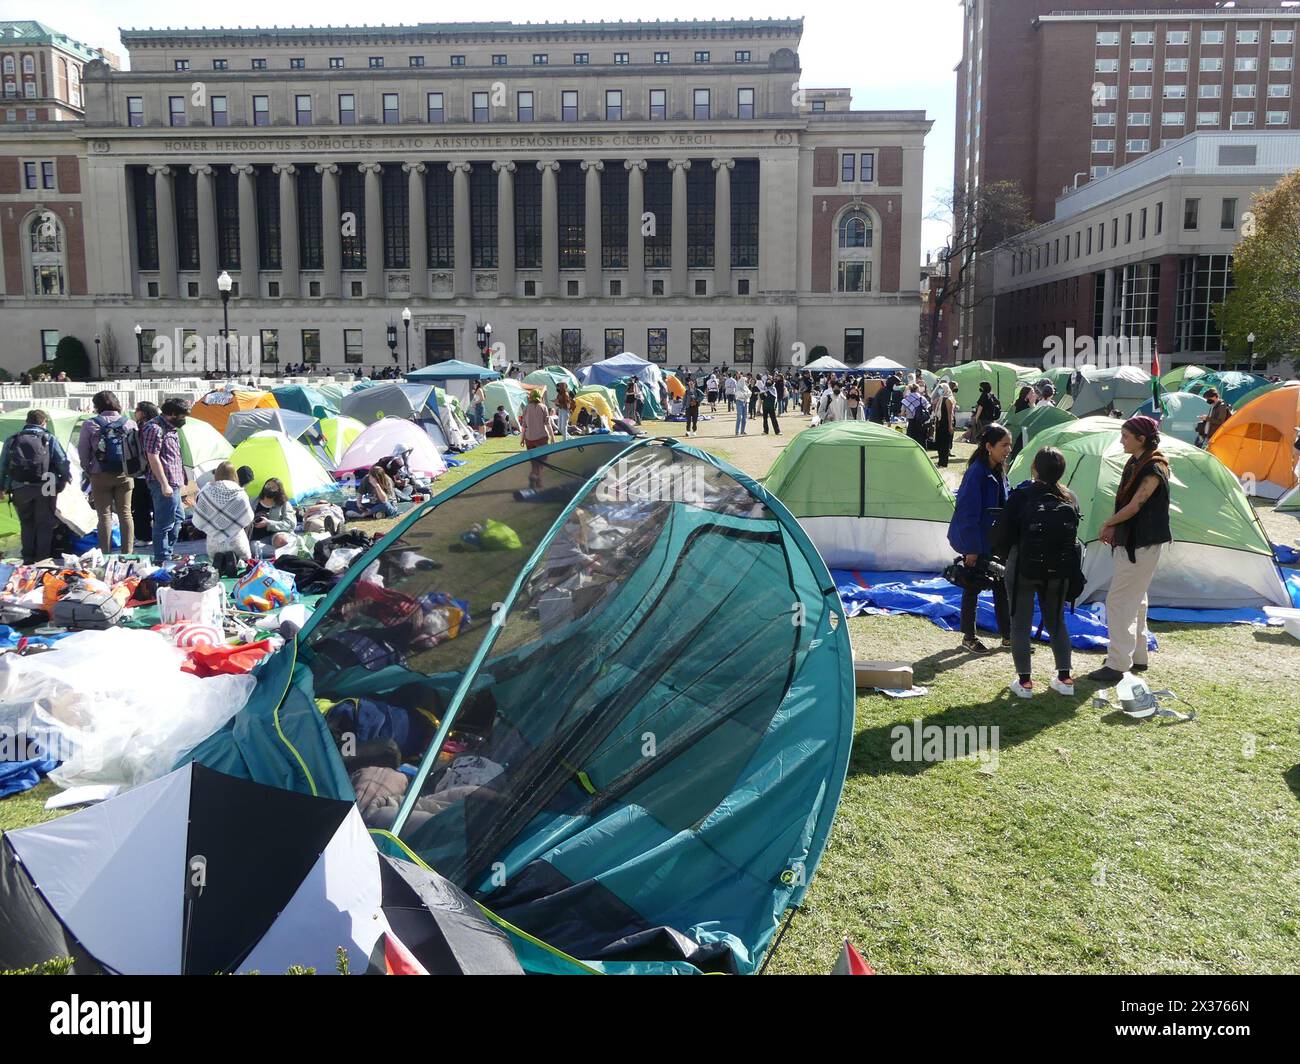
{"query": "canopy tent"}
pixel 64 424
pixel 306 400
pixel 389 437
pixel 827 364
pixel 594 403
pixel 1024 425
pixel 293 424
pixel 333 436
pixel 879 364
pixel 199 872
pixel 1220 557
pixel 216 407
pixel 572 627
pixel 1258 441
pixel 1230 384
pixel 455 377
pixel 1177 413
pixel 1179 377
pixel 1123 388
pixel 508 393
pixel 273 454
pixel 868 497
pixel 414 401
pixel 1003 376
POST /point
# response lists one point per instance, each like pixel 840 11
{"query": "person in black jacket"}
pixel 1025 506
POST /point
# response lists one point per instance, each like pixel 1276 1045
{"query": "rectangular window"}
pixel 658 103
pixel 1243 118
pixel 176 110
pixel 744 214
pixel 614 342
pixel 376 61
pixel 854 277
pixel 1243 92
pixel 742 346
pixel 261 110
pixel 1128 228
pixel 613 217
pixel 1142 37
pixel 1278 118
pixel 1191 213
pixel 347 109
pixel 297 64
pixel 29 175
pixel 1142 224
pixel 1106 66
pixel 1160 217
pixel 848 164
pixel 541 59
pixel 440 222
pixel 661 57
pixel 1105 118
pixel 742 57
pixel 269 343
pixel 569 105
pixel 528 345
pixel 701 188
pixel 135 110
pixel 658 200
pixel 744 103
pixel 391 113
pixel 434 104
pixel 311 345
pixel 483 214
pixel 1139 118
pixel 181 64
pixel 257 64
pixel 500 60
pixel 352 200
pixel 1279 62
pixel 220 116
pixel 480 104
pixel 867 167
pixel 415 60
pixel 1175 92
pixel 622 58
pixel 1173 118
pixel 613 105
pixel 524 106
pixel 700 345
pixel 702 108
pixel 819 106
pixel 1283 36
pixel 458 60
pixel 1103 146
pixel 1228 215
pixel 266 207
pixel 1211 64
pixel 1177 36
pixel 1175 66
pixel 1248 36
pixel 1211 36
pixel 701 57
pixel 336 62
pixel 570 346
pixel 656 345
pixel 1209 92
pixel 581 58
pixel 394 194
pixel 1139 92
pixel 1107 38
pixel 1278 92
pixel 352 345
pixel 49 344
pixel 1244 62
pixel 1141 66
pixel 1207 118
pixel 1137 145
pixel 302 110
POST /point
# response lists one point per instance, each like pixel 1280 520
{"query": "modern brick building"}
pixel 1052 98
pixel 1142 252
pixel 668 188
pixel 40 73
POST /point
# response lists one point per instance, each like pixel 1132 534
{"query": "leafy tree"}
pixel 1266 273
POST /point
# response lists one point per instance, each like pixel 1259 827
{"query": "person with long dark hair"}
pixel 945 410
pixel 1040 517
pixel 1136 533
pixel 980 499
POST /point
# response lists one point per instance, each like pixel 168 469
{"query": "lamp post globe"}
pixel 406 328
pixel 224 284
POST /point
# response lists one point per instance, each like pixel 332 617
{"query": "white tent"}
pixel 826 364
pixel 881 364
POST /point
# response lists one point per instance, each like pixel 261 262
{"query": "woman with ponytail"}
pixel 1136 533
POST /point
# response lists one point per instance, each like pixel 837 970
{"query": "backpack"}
pixel 993 406
pixel 29 457
pixel 112 444
pixel 86 610
pixel 923 410
pixel 1050 551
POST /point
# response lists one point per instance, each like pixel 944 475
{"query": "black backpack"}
pixel 29 457
pixel 1050 551
pixel 83 610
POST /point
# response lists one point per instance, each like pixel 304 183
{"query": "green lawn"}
pixel 1094 844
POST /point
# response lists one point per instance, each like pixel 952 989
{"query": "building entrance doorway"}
pixel 439 345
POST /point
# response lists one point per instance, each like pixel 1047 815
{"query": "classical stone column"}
pixel 209 267
pixel 679 168
pixel 289 280
pixel 722 227
pixel 374 230
pixel 505 227
pixel 165 205
pixel 635 241
pixel 592 226
pixel 331 230
pixel 460 199
pixel 550 228
pixel 249 286
pixel 417 231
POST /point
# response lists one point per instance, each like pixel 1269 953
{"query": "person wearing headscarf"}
pixel 945 412
pixel 1136 533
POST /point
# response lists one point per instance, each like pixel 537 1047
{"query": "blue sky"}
pixel 892 55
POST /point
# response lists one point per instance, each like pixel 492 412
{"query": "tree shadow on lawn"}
pixel 1016 720
pixel 1292 778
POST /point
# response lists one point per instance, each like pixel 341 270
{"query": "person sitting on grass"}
pixel 378 493
pixel 274 519
pixel 223 513
pixel 500 425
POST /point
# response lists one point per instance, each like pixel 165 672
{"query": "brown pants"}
pixel 112 493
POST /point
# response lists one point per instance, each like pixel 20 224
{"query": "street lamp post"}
pixel 391 337
pixel 406 327
pixel 224 284
pixel 1250 340
pixel 98 372
pixel 139 351
pixel 955 345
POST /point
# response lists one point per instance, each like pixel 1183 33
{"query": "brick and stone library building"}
pixel 673 189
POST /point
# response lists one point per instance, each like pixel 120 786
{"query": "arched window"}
pixel 29 65
pixel 9 64
pixel 45 253
pixel 855 250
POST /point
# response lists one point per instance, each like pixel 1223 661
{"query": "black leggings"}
pixel 1001 609
pixel 692 419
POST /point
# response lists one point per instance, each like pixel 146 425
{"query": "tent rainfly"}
pixel 1258 441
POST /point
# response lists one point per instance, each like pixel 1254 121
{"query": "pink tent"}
pixel 391 436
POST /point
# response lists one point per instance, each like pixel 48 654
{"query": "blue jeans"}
pixel 166 521
pixel 742 417
pixel 382 509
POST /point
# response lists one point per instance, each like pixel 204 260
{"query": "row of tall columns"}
pixel 331 281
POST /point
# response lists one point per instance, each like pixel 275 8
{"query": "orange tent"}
pixel 216 407
pixel 675 387
pixel 1258 441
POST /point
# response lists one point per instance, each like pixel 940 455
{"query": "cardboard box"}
pixel 891 675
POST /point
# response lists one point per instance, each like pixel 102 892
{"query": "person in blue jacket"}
pixel 980 498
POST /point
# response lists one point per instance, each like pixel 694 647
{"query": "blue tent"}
pixel 305 400
pixel 453 370
pixel 625 689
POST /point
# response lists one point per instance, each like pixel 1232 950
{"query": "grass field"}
pixel 1091 843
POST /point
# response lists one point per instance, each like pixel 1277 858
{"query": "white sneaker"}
pixel 1022 690
pixel 1063 687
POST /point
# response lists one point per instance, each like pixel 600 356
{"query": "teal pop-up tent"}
pixel 628 690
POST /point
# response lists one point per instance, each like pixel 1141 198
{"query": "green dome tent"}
pixel 202 446
pixel 651 408
pixel 306 400
pixel 1094 391
pixel 1024 425
pixel 605 392
pixel 868 497
pixel 1220 557
pixel 553 668
pixel 336 436
pixel 548 379
pixel 1004 376
pixel 567 374
pixel 273 454
pixel 1178 414
pixel 1179 377
pixel 1290 502
pixel 508 393
pixel 65 424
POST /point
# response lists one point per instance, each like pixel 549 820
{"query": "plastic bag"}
pixel 114 706
pixel 264 588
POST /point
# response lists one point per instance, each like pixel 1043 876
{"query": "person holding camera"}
pixel 980 499
pixel 1038 534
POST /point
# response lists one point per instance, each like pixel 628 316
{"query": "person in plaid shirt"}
pixel 160 439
